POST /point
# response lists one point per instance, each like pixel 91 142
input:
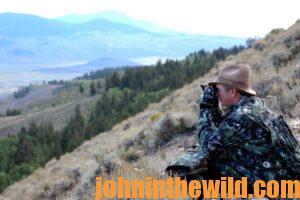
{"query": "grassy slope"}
pixel 71 177
pixel 44 104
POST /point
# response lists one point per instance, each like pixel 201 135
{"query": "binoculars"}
pixel 212 86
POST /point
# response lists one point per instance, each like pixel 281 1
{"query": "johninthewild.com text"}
pixel 173 188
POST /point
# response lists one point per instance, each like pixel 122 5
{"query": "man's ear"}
pixel 234 92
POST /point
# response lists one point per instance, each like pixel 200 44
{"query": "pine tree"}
pixel 81 89
pixel 92 89
pixel 25 150
pixel 115 80
pixel 98 85
pixel 74 133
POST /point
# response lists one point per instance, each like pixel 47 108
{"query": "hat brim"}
pixel 247 90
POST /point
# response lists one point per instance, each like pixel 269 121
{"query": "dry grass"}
pixel 58 116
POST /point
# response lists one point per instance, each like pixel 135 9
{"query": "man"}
pixel 248 140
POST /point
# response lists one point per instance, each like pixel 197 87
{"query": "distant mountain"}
pixel 23 25
pixel 29 42
pixel 110 62
pixel 114 16
pixel 103 62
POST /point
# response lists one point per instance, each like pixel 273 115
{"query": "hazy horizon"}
pixel 228 18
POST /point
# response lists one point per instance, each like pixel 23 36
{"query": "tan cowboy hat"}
pixel 237 76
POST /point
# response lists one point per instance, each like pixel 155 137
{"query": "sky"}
pixel 240 18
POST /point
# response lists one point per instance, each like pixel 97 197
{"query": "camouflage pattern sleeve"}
pixel 214 139
pixel 209 107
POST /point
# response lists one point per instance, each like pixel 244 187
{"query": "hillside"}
pixel 145 143
pixel 49 103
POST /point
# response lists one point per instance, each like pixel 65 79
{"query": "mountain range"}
pixel 113 16
pixel 33 42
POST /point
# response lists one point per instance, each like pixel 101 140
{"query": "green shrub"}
pixel 276 30
pixel 129 155
pixel 280 59
pixel 22 92
pixel 265 87
pixel 13 112
pixel 4 180
pixel 260 45
pixel 128 143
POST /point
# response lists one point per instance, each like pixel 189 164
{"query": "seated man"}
pixel 248 140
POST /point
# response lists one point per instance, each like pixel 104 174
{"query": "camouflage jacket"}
pixel 240 144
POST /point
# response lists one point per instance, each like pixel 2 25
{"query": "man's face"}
pixel 225 97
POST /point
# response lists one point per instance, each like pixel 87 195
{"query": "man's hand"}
pixel 209 97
